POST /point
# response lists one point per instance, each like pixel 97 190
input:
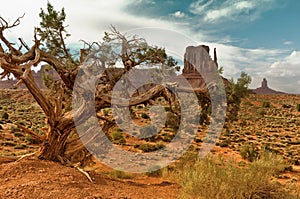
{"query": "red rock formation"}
pixel 197 59
pixel 264 89
pixel 197 62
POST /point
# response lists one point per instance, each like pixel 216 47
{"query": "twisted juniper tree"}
pixel 49 47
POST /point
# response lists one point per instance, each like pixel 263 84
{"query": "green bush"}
pixel 261 112
pixel 20 146
pixel 224 143
pixel 18 134
pixel 266 104
pixel 249 152
pixel 29 139
pixel 147 147
pixel 298 107
pixel 5 115
pixel 118 138
pixel 145 116
pixel 106 111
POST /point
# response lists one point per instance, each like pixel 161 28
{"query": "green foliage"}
pixel 221 70
pixel 53 32
pixel 235 92
pixel 239 89
pixel 106 111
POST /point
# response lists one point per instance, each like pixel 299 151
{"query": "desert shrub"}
pixel 18 134
pixel 120 174
pixel 5 115
pixel 247 103
pixel 29 139
pixel 249 152
pixel 167 137
pixel 298 107
pixel 8 143
pixel 22 122
pixel 214 178
pixel 286 106
pixel 224 143
pixel 261 112
pixel 147 147
pixel 167 108
pixel 20 146
pixel 14 128
pixel 106 111
pixel 172 121
pixel 266 104
pixel 117 137
pixel 145 116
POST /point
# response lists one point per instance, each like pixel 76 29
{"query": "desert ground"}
pixel 265 122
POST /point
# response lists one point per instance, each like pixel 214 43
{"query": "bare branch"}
pixel 5 25
pixel 24 44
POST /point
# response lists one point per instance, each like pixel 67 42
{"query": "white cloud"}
pixel 89 19
pixel 200 6
pixel 230 10
pixel 86 20
pixel 284 73
pixel 288 43
pixel 178 14
pixel 289 66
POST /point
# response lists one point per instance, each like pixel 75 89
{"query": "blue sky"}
pixel 260 37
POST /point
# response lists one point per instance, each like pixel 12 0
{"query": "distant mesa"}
pixel 264 89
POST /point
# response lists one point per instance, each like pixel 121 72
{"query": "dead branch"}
pixel 83 171
pixel 25 156
pixel 24 44
pixel 5 25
